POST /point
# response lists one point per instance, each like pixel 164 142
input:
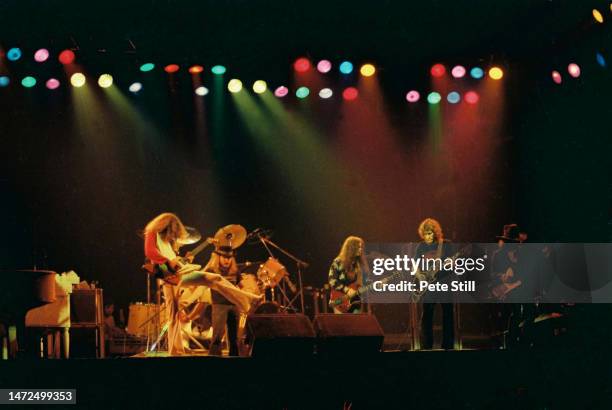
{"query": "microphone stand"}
pixel 299 264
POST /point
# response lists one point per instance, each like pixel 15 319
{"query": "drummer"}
pixel 223 262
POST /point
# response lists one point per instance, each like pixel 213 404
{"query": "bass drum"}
pixel 140 313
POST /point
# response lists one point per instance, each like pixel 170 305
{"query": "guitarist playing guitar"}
pixel 346 276
pixel 162 240
pixel 434 246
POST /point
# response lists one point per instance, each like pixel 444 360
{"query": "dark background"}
pixel 81 177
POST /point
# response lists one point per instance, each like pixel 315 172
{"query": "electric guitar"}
pixel 431 276
pixel 172 276
pixel 505 285
pixel 344 304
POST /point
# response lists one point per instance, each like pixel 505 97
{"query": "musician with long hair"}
pixel 434 245
pixel 224 312
pixel 346 272
pixel 161 245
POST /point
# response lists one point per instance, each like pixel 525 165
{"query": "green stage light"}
pixel 218 70
pixel 302 92
pixel 28 82
pixel 146 67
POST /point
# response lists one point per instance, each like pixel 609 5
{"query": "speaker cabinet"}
pixel 280 335
pixel 348 334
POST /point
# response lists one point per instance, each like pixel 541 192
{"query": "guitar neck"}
pixel 201 247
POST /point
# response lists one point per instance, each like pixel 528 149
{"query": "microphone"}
pixel 259 232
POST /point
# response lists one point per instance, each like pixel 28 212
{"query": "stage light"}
pixel 218 70
pixel 301 65
pixel 171 68
pixel 600 59
pixel 14 54
pixel 471 97
pixel 324 66
pixel 40 56
pixel 350 93
pixel 28 82
pixel 346 67
pixel 52 83
pixel 574 70
pixel 135 87
pixel 413 96
pixel 477 73
pixel 77 80
pixel 196 69
pixel 598 16
pixel 281 91
pixel 437 70
pixel 302 92
pixel 556 77
pixel 326 93
pixel 260 86
pixel 201 91
pixel 66 57
pixel 434 98
pixel 105 80
pixel 458 71
pixel 4 81
pixel 496 73
pixel 234 85
pixel 146 67
pixel 367 70
pixel 453 97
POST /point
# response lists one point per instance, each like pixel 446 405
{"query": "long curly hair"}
pixel 430 224
pixel 349 253
pixel 168 226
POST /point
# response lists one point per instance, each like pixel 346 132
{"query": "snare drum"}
pixel 271 272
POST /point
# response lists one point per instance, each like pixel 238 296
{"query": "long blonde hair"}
pixel 214 266
pixel 348 253
pixel 430 224
pixel 168 226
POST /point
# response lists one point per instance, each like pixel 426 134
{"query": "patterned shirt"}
pixel 338 278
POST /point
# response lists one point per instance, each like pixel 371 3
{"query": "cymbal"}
pixel 230 236
pixel 193 236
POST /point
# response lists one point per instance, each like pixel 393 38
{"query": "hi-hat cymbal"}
pixel 230 236
pixel 193 236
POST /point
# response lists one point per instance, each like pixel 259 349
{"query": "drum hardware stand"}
pixel 299 264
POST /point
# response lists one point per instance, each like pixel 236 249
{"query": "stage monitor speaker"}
pixel 86 307
pixel 348 334
pixel 280 335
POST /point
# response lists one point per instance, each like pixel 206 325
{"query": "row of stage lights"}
pixel 259 87
pixel 301 65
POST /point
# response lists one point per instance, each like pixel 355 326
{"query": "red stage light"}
pixel 438 70
pixel 350 93
pixel 196 69
pixel 471 97
pixel 66 57
pixel 171 68
pixel 301 65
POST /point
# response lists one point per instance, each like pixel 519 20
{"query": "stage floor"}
pixel 551 379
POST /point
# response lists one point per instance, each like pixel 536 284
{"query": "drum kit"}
pixel 270 279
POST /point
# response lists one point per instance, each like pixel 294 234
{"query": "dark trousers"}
pixel 448 323
pixel 224 315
